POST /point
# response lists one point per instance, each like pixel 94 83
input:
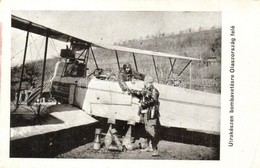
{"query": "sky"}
pixel 104 27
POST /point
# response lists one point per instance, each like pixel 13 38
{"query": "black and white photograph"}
pixel 115 85
pixel 123 83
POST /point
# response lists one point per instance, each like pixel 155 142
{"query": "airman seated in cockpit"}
pixel 127 74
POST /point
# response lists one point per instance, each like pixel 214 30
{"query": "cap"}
pixel 127 65
pixel 148 79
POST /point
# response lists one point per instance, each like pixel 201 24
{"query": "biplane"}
pixel 98 93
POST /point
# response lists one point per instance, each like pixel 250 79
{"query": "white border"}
pixel 243 14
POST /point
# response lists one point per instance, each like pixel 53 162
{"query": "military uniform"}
pixel 149 113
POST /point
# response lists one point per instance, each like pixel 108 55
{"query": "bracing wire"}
pixel 14 38
pixel 38 50
pixel 23 49
pixel 31 53
pixel 54 46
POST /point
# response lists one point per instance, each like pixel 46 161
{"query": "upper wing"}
pixel 27 25
pixel 145 52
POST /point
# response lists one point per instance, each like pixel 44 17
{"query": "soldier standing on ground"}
pixel 149 112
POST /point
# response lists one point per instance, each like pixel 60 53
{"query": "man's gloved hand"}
pixel 143 105
pixel 129 91
pixel 138 92
pixel 143 92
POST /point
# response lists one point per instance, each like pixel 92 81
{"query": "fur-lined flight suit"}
pixel 149 112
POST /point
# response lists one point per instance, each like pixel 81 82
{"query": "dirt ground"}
pixel 167 151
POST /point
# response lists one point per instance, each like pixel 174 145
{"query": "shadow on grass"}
pixel 52 144
pixel 19 120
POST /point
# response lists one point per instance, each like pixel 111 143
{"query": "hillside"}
pixel 201 44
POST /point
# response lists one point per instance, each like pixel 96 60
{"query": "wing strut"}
pixel 81 55
pixel 190 74
pixel 135 62
pixel 94 57
pixel 24 58
pixel 155 69
pixel 172 65
pixel 44 66
pixel 118 64
pixel 86 62
pixel 184 68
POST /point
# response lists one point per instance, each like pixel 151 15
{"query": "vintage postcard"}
pixel 111 83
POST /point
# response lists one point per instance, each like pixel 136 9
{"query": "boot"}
pixel 155 153
pixel 148 148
